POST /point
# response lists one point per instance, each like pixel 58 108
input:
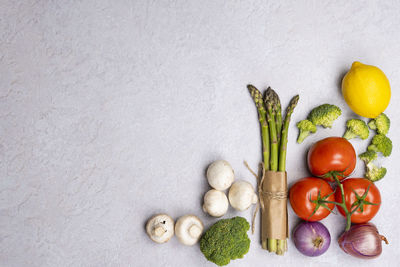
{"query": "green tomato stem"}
pixel 343 204
pixel 331 202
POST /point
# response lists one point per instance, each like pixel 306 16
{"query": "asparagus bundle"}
pixel 273 184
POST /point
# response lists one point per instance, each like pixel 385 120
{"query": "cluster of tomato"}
pixel 313 199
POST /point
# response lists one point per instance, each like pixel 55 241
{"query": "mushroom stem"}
pixel 188 229
pixel 160 228
pixel 159 231
pixel 194 230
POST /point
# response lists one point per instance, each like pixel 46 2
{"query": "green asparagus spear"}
pixel 283 145
pixel 270 104
pixel 258 100
pixel 282 244
pixel 278 116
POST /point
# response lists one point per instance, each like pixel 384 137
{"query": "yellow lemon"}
pixel 366 90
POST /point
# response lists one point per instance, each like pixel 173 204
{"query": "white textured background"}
pixel 110 112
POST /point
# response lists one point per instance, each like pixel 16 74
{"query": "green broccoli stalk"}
pixel 226 240
pixel 374 173
pixel 381 124
pixel 306 128
pixel 356 128
pixel 381 143
pixel 324 115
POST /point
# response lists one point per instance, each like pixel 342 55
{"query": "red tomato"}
pixel 304 190
pixel 359 185
pixel 331 154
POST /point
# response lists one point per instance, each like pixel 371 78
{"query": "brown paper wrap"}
pixel 273 200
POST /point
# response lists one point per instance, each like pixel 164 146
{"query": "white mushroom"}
pixel 242 195
pixel 215 203
pixel 188 229
pixel 160 228
pixel 220 175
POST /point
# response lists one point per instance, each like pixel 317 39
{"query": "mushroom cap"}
pixel 241 195
pixel 160 228
pixel 188 229
pixel 220 175
pixel 215 203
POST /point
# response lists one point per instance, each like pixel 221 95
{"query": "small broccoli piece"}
pixel 226 240
pixel 356 128
pixel 374 173
pixel 381 143
pixel 306 128
pixel 368 156
pixel 324 115
pixel 381 124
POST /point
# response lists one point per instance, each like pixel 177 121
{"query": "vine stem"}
pixel 348 211
pixel 332 202
pixel 343 204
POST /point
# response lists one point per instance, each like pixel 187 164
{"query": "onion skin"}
pixel 362 241
pixel 311 238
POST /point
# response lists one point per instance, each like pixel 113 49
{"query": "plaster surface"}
pixel 111 111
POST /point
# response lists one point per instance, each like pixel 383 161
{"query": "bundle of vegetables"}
pixel 273 184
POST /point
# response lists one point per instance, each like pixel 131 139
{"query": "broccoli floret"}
pixel 374 173
pixel 306 127
pixel 356 128
pixel 368 156
pixel 226 240
pixel 381 143
pixel 324 115
pixel 381 124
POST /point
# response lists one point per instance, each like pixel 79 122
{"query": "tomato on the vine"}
pixel 355 194
pixel 304 197
pixel 332 154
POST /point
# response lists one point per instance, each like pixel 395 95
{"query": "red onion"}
pixel 311 238
pixel 362 241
